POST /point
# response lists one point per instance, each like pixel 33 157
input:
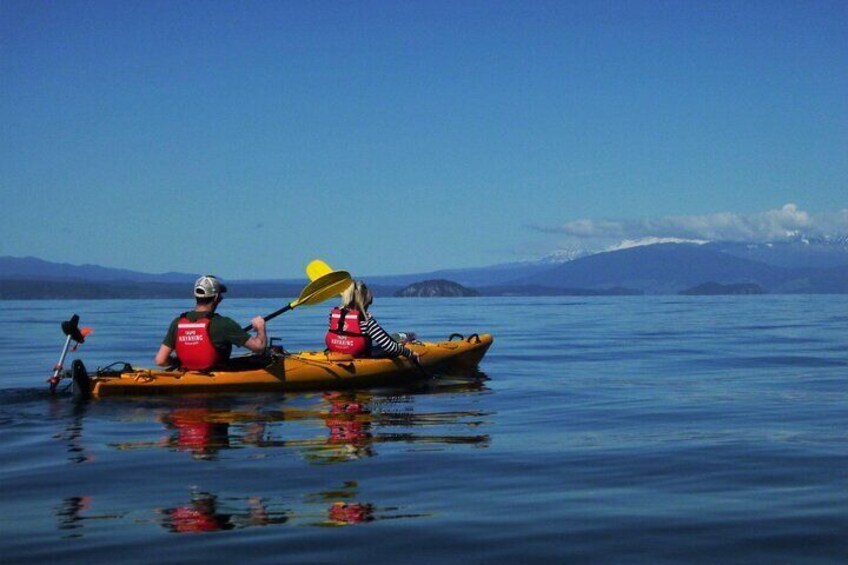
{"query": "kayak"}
pixel 282 371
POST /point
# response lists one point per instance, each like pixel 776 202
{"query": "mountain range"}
pixel 32 268
pixel 797 266
pixel 670 268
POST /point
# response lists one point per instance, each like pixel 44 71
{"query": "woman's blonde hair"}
pixel 357 296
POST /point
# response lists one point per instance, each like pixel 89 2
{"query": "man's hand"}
pixel 258 342
pixel 258 324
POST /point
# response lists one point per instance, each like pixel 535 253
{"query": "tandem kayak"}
pixel 287 371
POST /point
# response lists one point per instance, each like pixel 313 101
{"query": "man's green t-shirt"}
pixel 224 333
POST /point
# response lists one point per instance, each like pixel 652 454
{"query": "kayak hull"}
pixel 297 372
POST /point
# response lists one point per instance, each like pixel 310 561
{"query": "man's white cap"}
pixel 208 286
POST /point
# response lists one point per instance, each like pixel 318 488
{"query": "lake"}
pixel 602 429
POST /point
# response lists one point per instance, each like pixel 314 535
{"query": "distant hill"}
pixel 32 268
pixel 438 287
pixel 33 278
pixel 715 289
pixel 21 289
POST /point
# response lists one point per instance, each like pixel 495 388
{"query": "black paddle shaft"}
pixel 271 316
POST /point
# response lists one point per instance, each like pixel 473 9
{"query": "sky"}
pixel 247 138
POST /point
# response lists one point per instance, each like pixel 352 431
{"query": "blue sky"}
pixel 246 138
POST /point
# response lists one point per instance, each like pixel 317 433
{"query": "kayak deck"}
pixel 297 371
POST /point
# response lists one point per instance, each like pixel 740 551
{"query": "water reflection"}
pixel 349 422
pixel 72 432
pixel 321 428
pixel 354 423
pixel 74 510
pixel 194 430
pixel 204 513
pixel 69 513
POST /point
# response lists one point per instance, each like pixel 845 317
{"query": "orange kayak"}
pixel 289 371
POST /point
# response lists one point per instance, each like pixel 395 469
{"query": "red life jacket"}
pixel 345 334
pixel 194 346
pixel 188 519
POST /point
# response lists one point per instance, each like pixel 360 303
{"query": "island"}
pixel 436 287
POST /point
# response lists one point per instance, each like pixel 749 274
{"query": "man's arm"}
pixel 163 357
pixel 258 342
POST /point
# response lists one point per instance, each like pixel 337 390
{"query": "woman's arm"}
pixel 384 341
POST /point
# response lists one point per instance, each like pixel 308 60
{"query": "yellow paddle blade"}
pixel 317 269
pixel 323 288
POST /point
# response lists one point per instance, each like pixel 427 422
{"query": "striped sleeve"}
pixel 384 341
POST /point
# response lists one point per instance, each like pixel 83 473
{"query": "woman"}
pixel 355 332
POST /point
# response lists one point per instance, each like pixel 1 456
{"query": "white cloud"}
pixel 772 225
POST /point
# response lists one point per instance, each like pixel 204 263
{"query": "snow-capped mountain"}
pixel 797 252
pixel 562 256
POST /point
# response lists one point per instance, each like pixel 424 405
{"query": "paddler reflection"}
pixel 204 431
pixel 349 513
pixel 196 432
pixel 343 507
pixel 356 422
pixel 203 513
pixel 349 422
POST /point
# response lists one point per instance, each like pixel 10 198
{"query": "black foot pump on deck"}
pixel 82 382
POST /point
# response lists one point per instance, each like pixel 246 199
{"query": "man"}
pixel 203 339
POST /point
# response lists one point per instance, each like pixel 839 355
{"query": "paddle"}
pixel 317 269
pixel 74 333
pixel 319 290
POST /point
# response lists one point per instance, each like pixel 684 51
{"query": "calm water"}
pixel 604 429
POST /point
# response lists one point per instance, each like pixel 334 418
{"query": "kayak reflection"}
pixel 355 424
